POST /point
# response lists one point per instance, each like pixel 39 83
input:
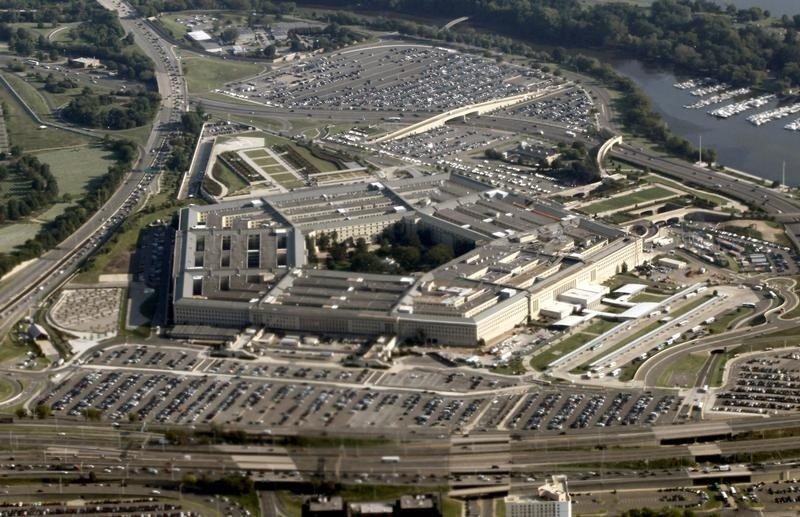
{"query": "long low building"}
pixel 244 263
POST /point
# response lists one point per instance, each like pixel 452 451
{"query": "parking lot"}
pixel 717 245
pixel 403 77
pixel 572 108
pixel 559 410
pixel 762 383
pixel 172 385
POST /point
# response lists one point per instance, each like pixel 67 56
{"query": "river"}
pixel 776 8
pixel 739 144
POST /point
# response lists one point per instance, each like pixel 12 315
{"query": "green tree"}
pixel 42 411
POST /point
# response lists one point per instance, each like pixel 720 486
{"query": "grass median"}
pixel 560 349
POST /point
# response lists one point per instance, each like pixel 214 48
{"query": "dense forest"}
pixel 98 110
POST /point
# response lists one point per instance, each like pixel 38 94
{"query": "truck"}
pixel 390 459
pixel 570 133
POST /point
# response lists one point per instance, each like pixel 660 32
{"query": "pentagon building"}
pixel 243 263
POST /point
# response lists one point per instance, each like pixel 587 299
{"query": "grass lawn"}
pixel 690 306
pixel 53 212
pixel 118 257
pixel 11 348
pixel 7 389
pixel 291 504
pixel 137 134
pixel 178 30
pixel 24 131
pixel 600 326
pixel 683 371
pixel 12 235
pixel 249 502
pixel 642 196
pixel 204 74
pixel 720 201
pixel 257 153
pixel 227 177
pixel 30 94
pixel 723 321
pixel 74 168
pixel 565 346
pixel 648 297
pixel 454 508
pixel 322 165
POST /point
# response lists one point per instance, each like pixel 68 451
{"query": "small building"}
pixel 199 36
pixel 536 152
pixel 37 332
pixel 630 289
pixel 84 62
pixel 553 500
pixel 422 505
pixel 587 296
pixel 557 310
pixel 323 506
pixel 671 263
pixel 371 509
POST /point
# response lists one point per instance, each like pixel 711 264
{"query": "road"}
pixel 771 200
pixel 25 290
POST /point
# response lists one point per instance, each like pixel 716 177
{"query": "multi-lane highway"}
pixel 23 291
pixel 773 201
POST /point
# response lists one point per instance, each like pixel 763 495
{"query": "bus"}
pixel 390 459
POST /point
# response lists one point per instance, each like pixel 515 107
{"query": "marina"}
pixel 730 110
pixel 759 150
pixel 774 114
pixel 721 97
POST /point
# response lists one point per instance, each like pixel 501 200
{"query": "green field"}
pixel 683 371
pixel 723 321
pixel 322 165
pixel 178 30
pixel 227 177
pixel 74 168
pixel 257 153
pixel 31 95
pixel 565 346
pixel 24 131
pixel 117 257
pixel 287 180
pixel 689 306
pixel 12 235
pixel 204 74
pixel 600 326
pixel 643 196
pixel 648 297
pixel 52 212
pixel 720 201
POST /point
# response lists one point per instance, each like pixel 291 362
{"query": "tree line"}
pixel 99 35
pixel 38 186
pixel 99 190
pixel 97 110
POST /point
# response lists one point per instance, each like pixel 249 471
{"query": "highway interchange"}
pixel 481 462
